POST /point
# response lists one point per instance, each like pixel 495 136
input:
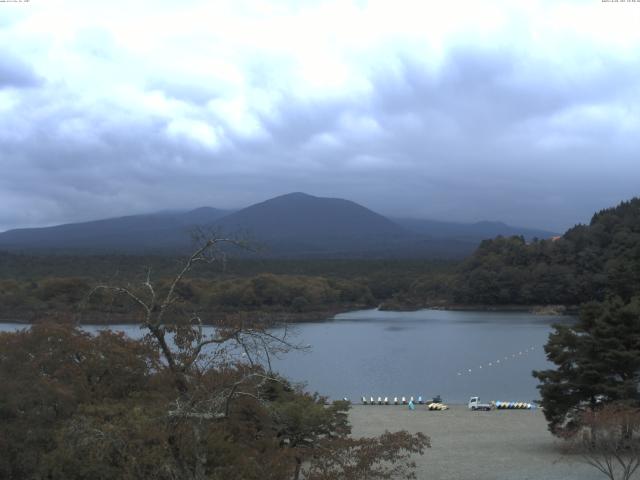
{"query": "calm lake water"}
pixel 428 352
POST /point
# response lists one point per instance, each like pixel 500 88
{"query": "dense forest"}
pixel 34 288
pixel 589 262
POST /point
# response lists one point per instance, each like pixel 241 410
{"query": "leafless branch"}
pixel 610 441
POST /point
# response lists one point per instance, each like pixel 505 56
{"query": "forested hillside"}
pixel 38 287
pixel 587 263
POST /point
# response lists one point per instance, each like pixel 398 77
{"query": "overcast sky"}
pixel 526 112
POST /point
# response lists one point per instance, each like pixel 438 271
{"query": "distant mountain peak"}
pixel 300 215
pixel 299 196
pixel 202 210
pixel 295 195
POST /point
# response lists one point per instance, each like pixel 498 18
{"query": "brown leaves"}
pixel 379 458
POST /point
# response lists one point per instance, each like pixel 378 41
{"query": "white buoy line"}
pixel 498 362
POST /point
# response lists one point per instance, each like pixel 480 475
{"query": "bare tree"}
pixel 609 440
pixel 237 344
pixel 214 376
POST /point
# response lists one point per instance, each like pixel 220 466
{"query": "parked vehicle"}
pixel 474 404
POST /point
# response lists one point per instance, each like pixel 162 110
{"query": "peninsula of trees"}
pixel 589 262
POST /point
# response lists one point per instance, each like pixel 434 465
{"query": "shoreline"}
pixel 98 318
pixel 315 316
pixel 551 310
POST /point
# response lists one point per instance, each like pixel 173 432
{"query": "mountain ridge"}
pixel 483 228
pixel 294 224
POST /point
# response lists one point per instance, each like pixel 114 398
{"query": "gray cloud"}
pixel 493 132
pixel 16 74
pixel 186 92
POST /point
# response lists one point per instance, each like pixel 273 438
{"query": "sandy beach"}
pixel 496 445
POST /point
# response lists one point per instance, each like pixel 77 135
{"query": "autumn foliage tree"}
pixel 186 401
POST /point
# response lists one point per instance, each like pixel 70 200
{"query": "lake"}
pixel 454 354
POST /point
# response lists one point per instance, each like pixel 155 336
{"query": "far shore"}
pixel 534 309
pixel 99 318
pixel 326 315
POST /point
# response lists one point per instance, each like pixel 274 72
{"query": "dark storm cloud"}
pixel 14 73
pixel 492 89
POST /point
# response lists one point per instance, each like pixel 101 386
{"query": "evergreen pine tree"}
pixel 598 362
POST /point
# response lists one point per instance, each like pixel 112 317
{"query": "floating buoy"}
pixel 513 405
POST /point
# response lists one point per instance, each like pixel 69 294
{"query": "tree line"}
pixel 54 296
pixel 304 289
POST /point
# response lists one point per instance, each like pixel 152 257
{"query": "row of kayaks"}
pixel 438 405
pixel 394 401
pixel 433 405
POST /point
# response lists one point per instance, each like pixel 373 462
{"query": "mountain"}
pixel 298 215
pixel 302 225
pixel 469 231
pixel 293 225
pixel 130 233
